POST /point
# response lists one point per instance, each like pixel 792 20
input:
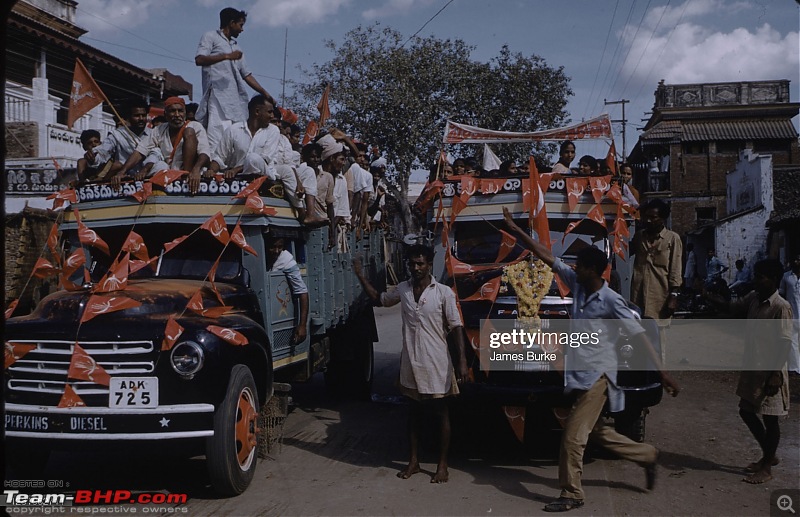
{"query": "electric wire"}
pixel 426 23
pixel 602 57
pixel 652 34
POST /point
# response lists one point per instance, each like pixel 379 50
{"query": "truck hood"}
pixel 159 298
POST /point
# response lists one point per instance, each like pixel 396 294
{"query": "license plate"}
pixel 133 392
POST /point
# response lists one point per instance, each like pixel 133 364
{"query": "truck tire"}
pixel 632 424
pixel 27 460
pixel 231 452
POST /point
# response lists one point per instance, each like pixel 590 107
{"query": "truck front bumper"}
pixel 98 423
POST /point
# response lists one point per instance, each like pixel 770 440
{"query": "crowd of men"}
pixel 330 181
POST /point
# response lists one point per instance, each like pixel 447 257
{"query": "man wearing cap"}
pixel 191 151
pixel 333 162
pixel 225 75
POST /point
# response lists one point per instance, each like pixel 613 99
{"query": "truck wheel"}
pixel 632 424
pixel 231 452
pixel 26 460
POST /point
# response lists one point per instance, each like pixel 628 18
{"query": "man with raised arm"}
pixel 225 76
pixel 593 299
pixel 427 375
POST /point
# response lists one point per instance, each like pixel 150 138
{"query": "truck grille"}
pixel 44 368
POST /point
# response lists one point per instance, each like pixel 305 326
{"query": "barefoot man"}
pixel 427 376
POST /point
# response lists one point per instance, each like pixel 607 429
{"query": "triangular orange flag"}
pixel 83 366
pixel 251 188
pixel 611 159
pixel 88 236
pixel 216 226
pixel 52 243
pixel 196 305
pixel 172 332
pixel 458 204
pixel 228 335
pixel 571 226
pixel 575 189
pixel 117 277
pixel 167 176
pixel 538 207
pixel 43 269
pixel 174 242
pixel 596 215
pixel 507 244
pixel 10 308
pixel 599 187
pixel 74 261
pixel 312 129
pixel 607 273
pixel 61 196
pixel 98 304
pixel 492 185
pixel 85 94
pixel 256 202
pixel 16 351
pixel 70 398
pixel 144 193
pixel 136 246
pixel 212 276
pixel 136 265
pixel 238 238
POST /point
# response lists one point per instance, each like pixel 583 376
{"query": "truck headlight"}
pixel 187 358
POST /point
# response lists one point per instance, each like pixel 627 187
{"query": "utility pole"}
pixel 624 123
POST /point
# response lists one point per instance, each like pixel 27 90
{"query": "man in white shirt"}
pixel 790 290
pixel 225 75
pixel 333 162
pixel 121 141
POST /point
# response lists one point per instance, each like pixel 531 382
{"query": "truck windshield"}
pixel 478 242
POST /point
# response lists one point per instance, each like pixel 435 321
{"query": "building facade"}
pixel 42 44
pixel 694 138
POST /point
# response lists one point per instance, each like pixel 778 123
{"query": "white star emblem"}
pixel 164 422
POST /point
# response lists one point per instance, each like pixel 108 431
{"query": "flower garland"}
pixel 531 281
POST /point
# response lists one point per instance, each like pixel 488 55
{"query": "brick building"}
pixel 693 139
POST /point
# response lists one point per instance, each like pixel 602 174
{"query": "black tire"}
pixel 231 454
pixel 27 461
pixel 632 424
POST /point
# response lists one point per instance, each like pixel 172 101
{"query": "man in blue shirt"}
pixel 593 379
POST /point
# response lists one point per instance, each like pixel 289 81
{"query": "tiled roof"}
pixel 664 130
pixel 739 130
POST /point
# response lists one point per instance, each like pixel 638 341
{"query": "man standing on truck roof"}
pixel 657 268
pixel 280 259
pixel 225 75
pixel 427 375
pixel 593 300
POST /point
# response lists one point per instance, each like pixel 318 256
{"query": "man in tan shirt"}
pixel 657 267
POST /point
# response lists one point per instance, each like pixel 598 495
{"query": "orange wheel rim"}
pixel 246 421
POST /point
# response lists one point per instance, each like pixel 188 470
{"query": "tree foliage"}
pixel 399 94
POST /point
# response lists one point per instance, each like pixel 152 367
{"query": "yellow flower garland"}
pixel 531 281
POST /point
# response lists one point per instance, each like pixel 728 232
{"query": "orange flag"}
pixel 174 242
pixel 599 187
pixel 43 268
pixel 61 196
pixel 507 244
pixel 538 207
pixel 607 273
pixel 459 203
pixel 136 265
pixel 10 308
pixel 251 187
pixel 52 242
pixel 323 107
pixel 196 305
pixel 611 159
pixel 575 189
pixel 117 277
pixel 596 215
pixel 83 366
pixel 135 245
pixel 89 237
pixel 172 332
pixel 571 226
pixel 492 185
pixel 167 176
pixel 98 304
pixel 216 226
pixel 85 94
pixel 16 351
pixel 212 275
pixel 238 238
pixel 228 335
pixel 469 185
pixel 312 129
pixel 70 398
pixel 487 291
pixel 144 193
pixel 256 202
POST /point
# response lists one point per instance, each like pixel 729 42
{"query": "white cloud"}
pixel 697 53
pixel 391 8
pixel 278 13
pixel 98 16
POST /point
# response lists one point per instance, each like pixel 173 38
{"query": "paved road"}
pixel 340 457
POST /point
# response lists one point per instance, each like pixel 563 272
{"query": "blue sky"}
pixel 612 49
